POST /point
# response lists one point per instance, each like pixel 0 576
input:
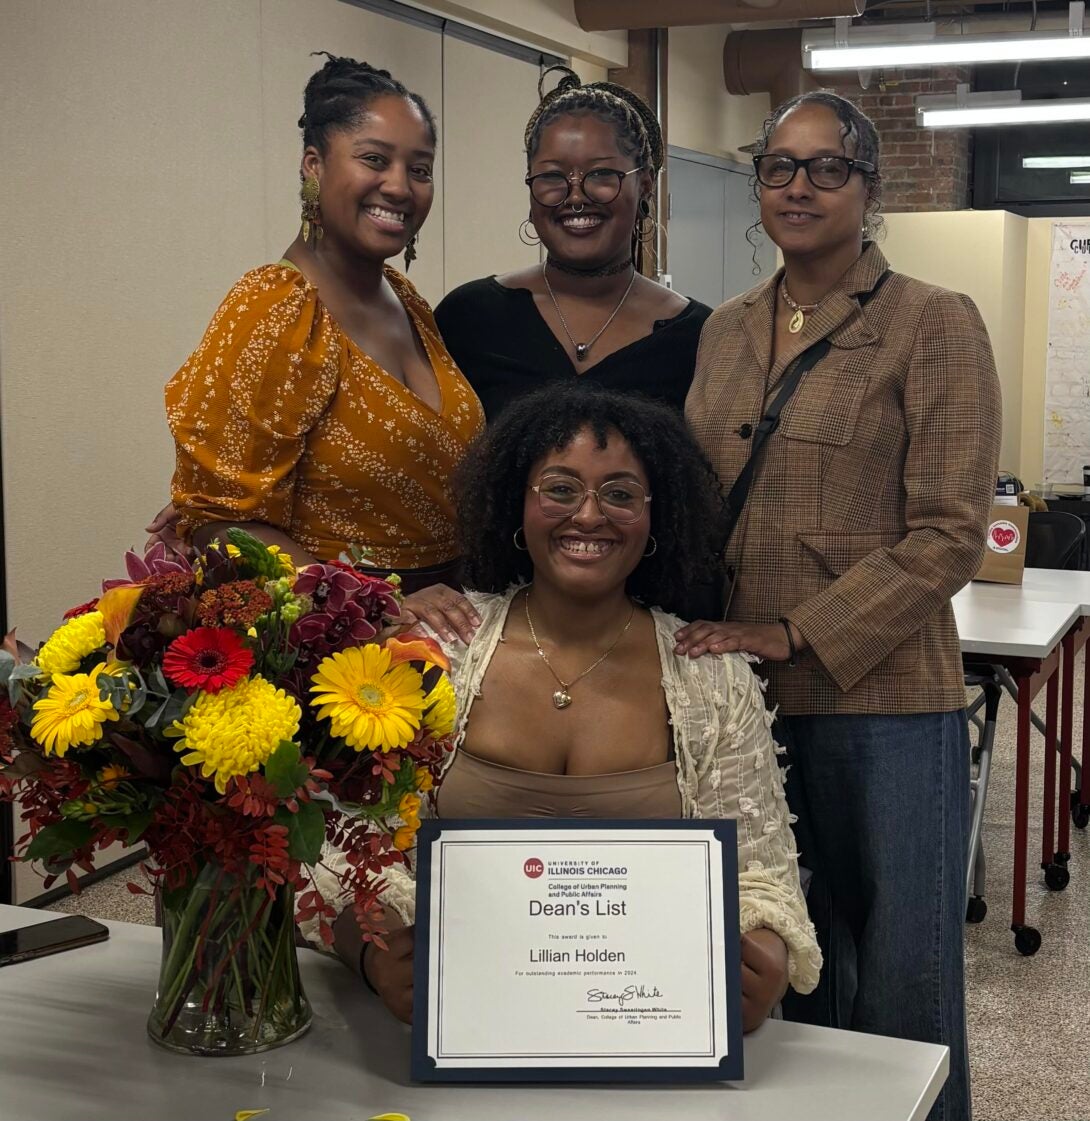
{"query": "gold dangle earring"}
pixel 311 214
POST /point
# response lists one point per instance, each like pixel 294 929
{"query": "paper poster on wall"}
pixel 1067 380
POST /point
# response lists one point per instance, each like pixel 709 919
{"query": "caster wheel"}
pixel 1027 940
pixel 1057 877
pixel 976 909
pixel 1080 812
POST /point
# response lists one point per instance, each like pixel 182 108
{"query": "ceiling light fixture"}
pixel 1003 107
pixel 1055 161
pixel 918 45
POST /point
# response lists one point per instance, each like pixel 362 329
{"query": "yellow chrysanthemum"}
pixel 70 644
pixel 405 836
pixel 440 706
pixel 368 704
pixel 422 780
pixel 234 731
pixel 71 714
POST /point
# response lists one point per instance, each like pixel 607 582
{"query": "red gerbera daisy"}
pixel 208 658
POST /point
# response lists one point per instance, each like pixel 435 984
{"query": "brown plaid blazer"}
pixel 868 510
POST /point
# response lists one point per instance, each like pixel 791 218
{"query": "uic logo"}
pixel 533 867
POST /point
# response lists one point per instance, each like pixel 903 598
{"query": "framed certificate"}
pixel 570 950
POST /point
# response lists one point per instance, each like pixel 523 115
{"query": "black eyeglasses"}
pixel 827 173
pixel 620 500
pixel 603 184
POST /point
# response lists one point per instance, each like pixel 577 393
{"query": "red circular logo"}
pixel 533 868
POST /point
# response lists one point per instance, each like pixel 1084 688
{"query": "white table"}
pixel 75 1048
pixel 1023 627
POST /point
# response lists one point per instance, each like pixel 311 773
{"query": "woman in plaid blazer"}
pixel 866 513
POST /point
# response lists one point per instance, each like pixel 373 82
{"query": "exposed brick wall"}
pixel 922 169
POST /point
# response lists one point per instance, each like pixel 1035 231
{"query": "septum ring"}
pixel 578 209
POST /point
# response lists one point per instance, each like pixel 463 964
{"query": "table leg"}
pixel 1027 940
pixel 1048 804
pixel 1067 732
pixel 1082 810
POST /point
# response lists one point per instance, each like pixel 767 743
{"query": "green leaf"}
pixel 284 770
pixel 59 839
pixel 135 824
pixel 306 831
pixel 7 664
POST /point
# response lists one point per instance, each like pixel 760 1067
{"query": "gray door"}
pixel 711 208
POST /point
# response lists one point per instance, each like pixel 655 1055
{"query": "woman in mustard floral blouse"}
pixel 321 409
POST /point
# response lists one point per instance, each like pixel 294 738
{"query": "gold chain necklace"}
pixel 562 697
pixel 581 349
pixel 798 320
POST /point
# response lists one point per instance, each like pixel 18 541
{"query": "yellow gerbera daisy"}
pixel 234 731
pixel 441 706
pixel 71 643
pixel 71 714
pixel 368 704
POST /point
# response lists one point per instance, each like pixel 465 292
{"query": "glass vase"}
pixel 229 981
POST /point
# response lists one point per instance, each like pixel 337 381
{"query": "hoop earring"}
pixel 311 214
pixel 410 251
pixel 525 236
pixel 646 224
pixel 515 537
pixel 654 546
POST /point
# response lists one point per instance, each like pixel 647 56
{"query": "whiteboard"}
pixel 1067 376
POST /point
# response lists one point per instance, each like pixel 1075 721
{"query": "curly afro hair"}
pixel 686 514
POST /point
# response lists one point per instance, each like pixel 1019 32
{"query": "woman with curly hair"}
pixel 583 515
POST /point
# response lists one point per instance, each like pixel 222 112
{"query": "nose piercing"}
pixel 578 209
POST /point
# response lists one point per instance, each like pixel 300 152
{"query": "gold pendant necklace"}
pixel 562 697
pixel 798 320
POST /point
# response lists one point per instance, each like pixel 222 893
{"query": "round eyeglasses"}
pixel 827 173
pixel 620 500
pixel 602 185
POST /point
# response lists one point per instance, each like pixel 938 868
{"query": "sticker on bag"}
pixel 1003 536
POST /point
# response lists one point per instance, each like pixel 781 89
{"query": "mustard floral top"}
pixel 278 417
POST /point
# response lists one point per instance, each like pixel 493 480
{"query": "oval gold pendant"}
pixel 562 698
pixel 798 321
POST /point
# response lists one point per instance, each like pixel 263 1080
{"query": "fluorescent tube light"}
pixel 951 115
pixel 1080 177
pixel 1056 161
pixel 947 50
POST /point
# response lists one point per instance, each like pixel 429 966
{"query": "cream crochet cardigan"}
pixel 726 768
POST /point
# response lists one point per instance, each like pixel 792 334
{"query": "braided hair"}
pixel 639 135
pixel 337 96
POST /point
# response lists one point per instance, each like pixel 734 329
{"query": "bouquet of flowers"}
pixel 233 715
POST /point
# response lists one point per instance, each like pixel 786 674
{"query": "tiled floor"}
pixel 1029 1018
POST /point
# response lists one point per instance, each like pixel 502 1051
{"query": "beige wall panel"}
pixel 487 101
pixel 290 31
pixel 981 253
pixel 132 187
pixel 702 115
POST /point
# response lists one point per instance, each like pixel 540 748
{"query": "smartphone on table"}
pixel 51 937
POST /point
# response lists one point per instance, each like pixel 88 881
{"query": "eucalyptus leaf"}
pixel 59 839
pixel 306 831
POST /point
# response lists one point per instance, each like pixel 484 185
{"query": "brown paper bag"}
pixel 1005 551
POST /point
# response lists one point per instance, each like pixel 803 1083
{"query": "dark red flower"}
pixel 208 658
pixel 83 609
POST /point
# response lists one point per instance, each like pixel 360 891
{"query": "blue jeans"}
pixel 883 823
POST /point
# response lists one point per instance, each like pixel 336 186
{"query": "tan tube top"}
pixel 474 787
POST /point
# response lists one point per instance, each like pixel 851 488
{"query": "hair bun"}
pixel 569 81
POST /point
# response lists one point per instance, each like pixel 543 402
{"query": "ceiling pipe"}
pixel 621 15
pixel 767 61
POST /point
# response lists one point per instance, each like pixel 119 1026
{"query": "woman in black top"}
pixel 593 152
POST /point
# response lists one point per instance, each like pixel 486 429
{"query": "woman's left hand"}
pixel 764 975
pixel 766 640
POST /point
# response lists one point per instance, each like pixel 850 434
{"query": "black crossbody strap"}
pixel 768 424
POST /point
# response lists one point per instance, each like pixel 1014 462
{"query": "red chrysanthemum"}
pixel 208 658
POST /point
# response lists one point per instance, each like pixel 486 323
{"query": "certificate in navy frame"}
pixel 730 1067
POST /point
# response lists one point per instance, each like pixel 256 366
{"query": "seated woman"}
pixel 583 515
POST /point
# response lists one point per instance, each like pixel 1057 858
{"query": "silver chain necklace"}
pixel 581 349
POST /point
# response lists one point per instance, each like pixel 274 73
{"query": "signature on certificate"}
pixel 632 992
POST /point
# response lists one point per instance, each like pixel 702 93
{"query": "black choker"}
pixel 604 270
